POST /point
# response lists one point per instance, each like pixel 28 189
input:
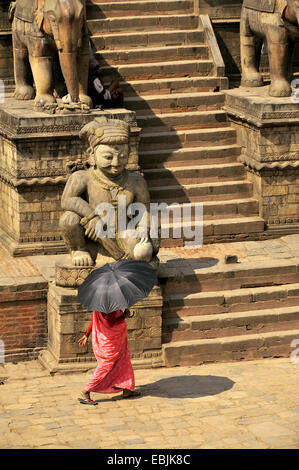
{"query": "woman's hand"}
pixel 82 341
pixel 127 313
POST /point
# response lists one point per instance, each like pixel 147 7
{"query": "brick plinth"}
pixel 23 311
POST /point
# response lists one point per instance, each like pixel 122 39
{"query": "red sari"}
pixel 110 346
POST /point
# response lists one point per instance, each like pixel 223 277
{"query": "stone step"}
pixel 200 192
pixel 198 155
pixel 187 138
pixel 173 85
pixel 232 348
pixel 214 209
pixel 143 23
pixel 215 216
pixel 192 174
pixel 157 70
pixel 139 39
pixel 183 120
pixel 195 277
pixel 98 9
pixel 174 102
pixel 152 54
pixel 230 324
pixel 183 305
pixel 213 231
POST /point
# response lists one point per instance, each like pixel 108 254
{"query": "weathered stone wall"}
pixel 33 174
pixel 278 193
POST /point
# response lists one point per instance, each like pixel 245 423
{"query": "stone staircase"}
pixel 188 151
pixel 228 312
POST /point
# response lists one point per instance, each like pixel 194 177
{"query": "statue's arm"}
pixel 72 199
pixel 141 191
pixel 142 195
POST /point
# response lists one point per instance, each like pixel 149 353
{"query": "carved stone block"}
pixel 267 130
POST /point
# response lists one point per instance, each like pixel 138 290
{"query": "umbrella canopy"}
pixel 117 286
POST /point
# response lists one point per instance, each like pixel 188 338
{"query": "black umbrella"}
pixel 117 286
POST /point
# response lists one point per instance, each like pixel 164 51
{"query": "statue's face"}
pixel 112 159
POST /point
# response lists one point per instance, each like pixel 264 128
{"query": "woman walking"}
pixel 114 372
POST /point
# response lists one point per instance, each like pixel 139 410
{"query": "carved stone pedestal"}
pixel 35 150
pixel 68 321
pixel 268 132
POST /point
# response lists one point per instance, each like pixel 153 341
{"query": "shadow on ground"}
pixel 191 386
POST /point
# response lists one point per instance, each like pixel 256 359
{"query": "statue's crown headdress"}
pixel 105 131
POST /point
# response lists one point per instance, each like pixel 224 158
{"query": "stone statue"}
pixel 103 182
pixel 41 31
pixel 277 21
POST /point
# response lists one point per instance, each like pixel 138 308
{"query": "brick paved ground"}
pixel 233 405
pixel 16 267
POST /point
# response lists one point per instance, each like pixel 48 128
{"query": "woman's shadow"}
pixel 189 386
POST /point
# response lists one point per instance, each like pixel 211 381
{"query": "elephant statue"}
pixel 277 21
pixel 46 32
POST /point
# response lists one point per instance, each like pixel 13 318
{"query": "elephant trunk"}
pixel 68 63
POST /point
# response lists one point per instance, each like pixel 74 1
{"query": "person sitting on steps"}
pixel 110 97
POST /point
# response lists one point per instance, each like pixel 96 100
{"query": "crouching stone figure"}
pixel 86 191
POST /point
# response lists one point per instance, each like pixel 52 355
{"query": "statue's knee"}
pixel 69 221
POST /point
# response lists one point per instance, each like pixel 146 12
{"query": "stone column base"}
pixel 68 321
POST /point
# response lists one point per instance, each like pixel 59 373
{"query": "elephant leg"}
pixel 250 48
pixel 83 67
pixel 42 73
pixel 279 58
pixel 23 76
pixel 24 89
pixel 250 53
